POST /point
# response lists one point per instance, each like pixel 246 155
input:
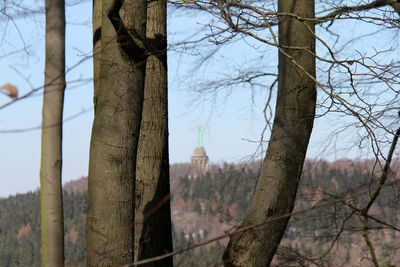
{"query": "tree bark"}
pixel 294 116
pixel 152 205
pixel 118 99
pixel 96 21
pixel 52 227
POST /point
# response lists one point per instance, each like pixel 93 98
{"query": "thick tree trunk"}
pixel 118 107
pixel 152 213
pixel 52 227
pixel 295 110
pixel 96 21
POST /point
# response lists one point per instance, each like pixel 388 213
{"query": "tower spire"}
pixel 200 138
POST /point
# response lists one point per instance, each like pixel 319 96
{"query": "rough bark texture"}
pixel 152 213
pixel 118 97
pixel 295 110
pixel 52 228
pixel 96 20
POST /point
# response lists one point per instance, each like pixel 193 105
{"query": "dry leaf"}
pixel 12 91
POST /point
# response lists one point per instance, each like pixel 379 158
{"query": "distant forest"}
pixel 207 206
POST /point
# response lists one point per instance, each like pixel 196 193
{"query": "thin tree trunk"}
pixel 52 227
pixel 152 213
pixel 118 107
pixel 294 115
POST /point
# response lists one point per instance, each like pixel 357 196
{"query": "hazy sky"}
pixel 232 120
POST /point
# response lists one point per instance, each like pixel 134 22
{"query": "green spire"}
pixel 200 137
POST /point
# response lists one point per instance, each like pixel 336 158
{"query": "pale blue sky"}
pixel 232 120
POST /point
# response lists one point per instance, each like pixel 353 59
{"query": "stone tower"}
pixel 199 159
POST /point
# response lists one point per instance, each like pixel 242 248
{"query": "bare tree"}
pixel 294 115
pixel 346 85
pixel 52 225
pixel 128 198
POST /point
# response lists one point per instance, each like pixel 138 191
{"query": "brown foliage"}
pixel 25 229
pixel 11 90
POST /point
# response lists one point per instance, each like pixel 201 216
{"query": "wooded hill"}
pixel 208 206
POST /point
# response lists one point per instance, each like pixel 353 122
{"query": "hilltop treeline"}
pixel 207 206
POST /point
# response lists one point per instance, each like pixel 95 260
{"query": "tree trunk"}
pixel 152 212
pixel 96 21
pixel 294 115
pixel 52 227
pixel 118 97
